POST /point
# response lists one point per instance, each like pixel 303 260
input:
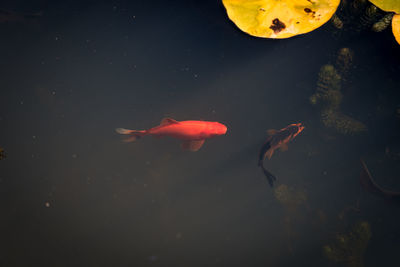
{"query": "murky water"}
pixel 73 194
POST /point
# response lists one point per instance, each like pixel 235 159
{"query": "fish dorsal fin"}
pixel 192 145
pixel 271 132
pixel 167 121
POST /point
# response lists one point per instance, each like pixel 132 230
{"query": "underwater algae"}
pixel 289 197
pixel 293 201
pixel 370 15
pixel 279 19
pixel 337 22
pixel 348 248
pixel 383 23
pixel 393 16
pixel 344 61
pixel 328 95
pixel 377 19
pixel 360 15
pixel 354 15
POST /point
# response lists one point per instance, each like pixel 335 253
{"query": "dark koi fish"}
pixel 2 153
pixel 192 133
pixel 10 16
pixel 369 185
pixel 277 139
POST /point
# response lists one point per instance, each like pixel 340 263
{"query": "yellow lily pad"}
pixel 396 27
pixel 388 5
pixel 279 18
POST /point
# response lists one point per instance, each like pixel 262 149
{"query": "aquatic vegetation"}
pixel 344 61
pixel 383 23
pixel 358 4
pixel 328 79
pixel 328 95
pixel 348 248
pixel 279 18
pixel 2 153
pixel 337 21
pixel 392 6
pixel 355 15
pixel 370 16
pixel 289 197
pixel 362 15
pixel 328 88
pixel 342 123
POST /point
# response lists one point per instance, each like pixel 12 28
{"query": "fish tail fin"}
pixel 270 177
pixel 134 134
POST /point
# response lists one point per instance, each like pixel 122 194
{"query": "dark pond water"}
pixel 73 194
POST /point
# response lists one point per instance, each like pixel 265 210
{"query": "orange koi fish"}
pixel 277 139
pixel 193 133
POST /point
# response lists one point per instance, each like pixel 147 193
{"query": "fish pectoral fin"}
pixel 130 139
pixel 268 154
pixel 284 147
pixel 167 121
pixel 192 145
pixel 271 131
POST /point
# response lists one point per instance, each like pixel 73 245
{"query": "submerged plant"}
pixel 291 199
pixel 383 23
pixel 375 15
pixel 393 17
pixel 328 95
pixel 344 61
pixel 369 17
pixel 337 21
pixel 348 248
pixel 279 18
pixel 342 123
pixel 355 15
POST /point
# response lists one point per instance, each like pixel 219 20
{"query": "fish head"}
pixel 217 128
pixel 294 129
pixel 297 128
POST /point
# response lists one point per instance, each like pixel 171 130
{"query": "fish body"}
pixel 2 153
pixel 368 183
pixel 193 133
pixel 10 16
pixel 277 139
